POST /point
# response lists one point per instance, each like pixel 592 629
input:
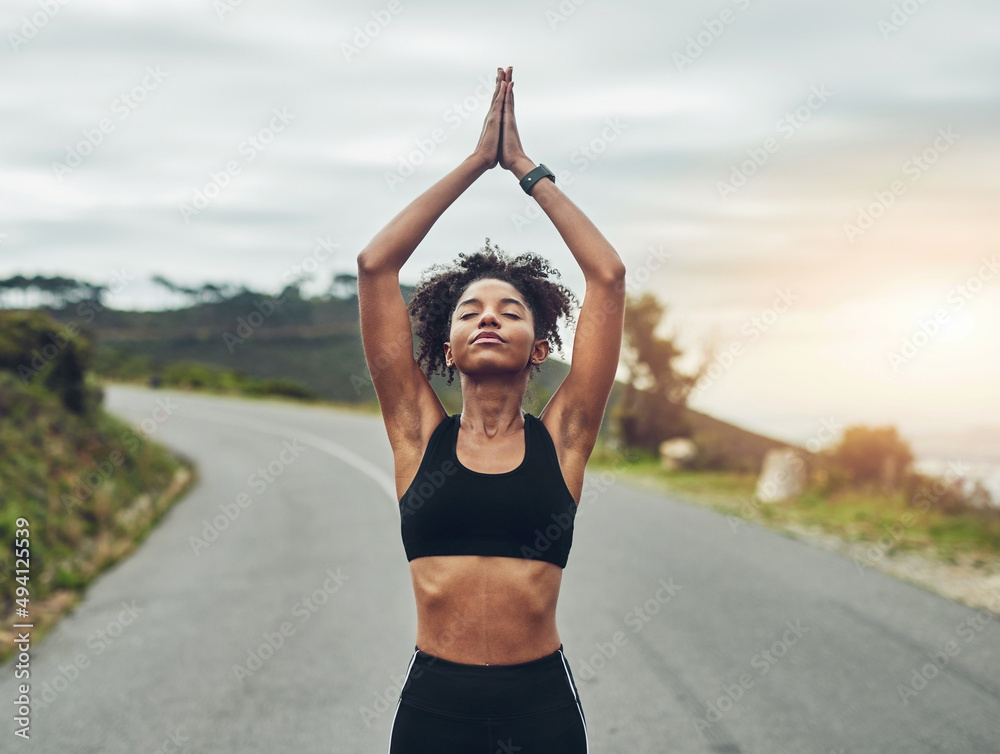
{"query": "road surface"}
pixel 271 611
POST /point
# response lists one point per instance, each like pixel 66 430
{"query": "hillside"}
pixel 81 487
pixel 317 343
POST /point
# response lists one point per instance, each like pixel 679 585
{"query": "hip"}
pixel 489 691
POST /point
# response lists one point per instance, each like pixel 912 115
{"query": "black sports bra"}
pixel 524 513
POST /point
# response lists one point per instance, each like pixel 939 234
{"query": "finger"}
pixel 496 107
pixel 501 93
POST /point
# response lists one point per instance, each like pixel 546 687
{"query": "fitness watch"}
pixel 534 176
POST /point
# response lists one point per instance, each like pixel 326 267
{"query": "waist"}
pixel 477 691
pixel 479 609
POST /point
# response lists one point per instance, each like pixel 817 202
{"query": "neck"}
pixel 492 407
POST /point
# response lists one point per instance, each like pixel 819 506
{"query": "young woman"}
pixel 488 497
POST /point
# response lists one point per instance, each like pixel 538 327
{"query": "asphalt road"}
pixel 286 625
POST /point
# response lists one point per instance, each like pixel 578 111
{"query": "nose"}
pixel 488 317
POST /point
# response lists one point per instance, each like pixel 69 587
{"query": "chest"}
pixel 524 509
pixel 496 456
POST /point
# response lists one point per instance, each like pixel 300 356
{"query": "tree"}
pixel 873 454
pixel 56 291
pixel 655 398
pixel 344 285
pixel 38 349
pixel 208 293
pixel 190 293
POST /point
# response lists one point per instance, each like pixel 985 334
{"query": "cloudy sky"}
pixel 812 187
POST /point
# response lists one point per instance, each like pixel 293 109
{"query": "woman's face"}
pixel 491 307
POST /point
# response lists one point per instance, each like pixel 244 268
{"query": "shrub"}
pixel 873 455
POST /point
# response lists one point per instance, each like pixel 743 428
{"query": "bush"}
pixel 283 387
pixel 191 375
pixel 873 455
pixel 40 351
pixel 948 497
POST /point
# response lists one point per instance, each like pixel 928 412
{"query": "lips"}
pixel 488 336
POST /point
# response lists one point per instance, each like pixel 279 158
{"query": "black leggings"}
pixel 448 707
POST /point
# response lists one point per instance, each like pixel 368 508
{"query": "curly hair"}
pixel 440 285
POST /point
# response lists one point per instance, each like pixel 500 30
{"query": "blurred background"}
pixel 813 186
pixel 804 194
pixel 804 197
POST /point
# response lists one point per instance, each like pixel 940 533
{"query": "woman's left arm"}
pixel 596 257
pixel 579 403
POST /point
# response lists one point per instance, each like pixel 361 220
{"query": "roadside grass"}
pixel 866 516
pixel 226 389
pixel 91 488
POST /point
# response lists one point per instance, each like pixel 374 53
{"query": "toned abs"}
pixel 483 610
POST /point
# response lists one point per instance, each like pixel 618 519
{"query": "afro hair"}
pixel 437 293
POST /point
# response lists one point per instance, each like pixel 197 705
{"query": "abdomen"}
pixel 479 610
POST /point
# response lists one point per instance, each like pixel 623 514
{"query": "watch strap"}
pixel 534 176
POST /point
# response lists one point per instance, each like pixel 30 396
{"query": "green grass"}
pixel 857 515
pixel 91 487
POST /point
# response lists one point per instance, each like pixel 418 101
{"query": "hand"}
pixel 511 151
pixel 488 148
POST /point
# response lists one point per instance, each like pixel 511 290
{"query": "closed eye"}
pixel 473 314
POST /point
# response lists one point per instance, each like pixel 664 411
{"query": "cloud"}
pixel 681 132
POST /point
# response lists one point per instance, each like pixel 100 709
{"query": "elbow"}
pixel 365 263
pixel 613 274
pixel 369 263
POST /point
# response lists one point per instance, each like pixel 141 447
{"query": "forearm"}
pixel 393 245
pixel 595 255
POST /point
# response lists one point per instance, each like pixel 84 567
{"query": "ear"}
pixel 448 359
pixel 540 352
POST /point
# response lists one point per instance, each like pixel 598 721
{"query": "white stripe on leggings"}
pixel 569 679
pixel 398 701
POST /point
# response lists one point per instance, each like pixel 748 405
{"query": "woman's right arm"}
pixel 408 403
pixel 394 244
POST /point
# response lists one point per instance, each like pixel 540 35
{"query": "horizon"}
pixel 930 447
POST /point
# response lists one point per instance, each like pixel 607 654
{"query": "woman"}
pixel 488 496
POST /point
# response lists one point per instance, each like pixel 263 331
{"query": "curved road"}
pixel 271 611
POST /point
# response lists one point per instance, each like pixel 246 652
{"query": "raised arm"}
pixel 408 403
pixel 393 245
pixel 577 407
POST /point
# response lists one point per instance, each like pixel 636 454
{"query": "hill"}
pixel 316 342
pixel 78 487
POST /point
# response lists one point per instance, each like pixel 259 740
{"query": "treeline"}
pixel 59 292
pixel 53 291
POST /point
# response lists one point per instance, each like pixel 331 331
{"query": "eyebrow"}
pixel 502 301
